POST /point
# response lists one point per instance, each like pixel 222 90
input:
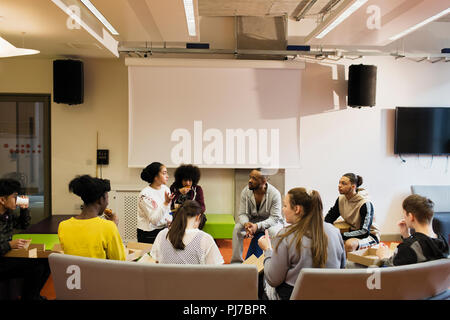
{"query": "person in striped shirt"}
pixel 354 207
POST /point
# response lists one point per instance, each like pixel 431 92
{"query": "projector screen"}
pixel 214 117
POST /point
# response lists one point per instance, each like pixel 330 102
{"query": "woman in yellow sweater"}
pixel 87 234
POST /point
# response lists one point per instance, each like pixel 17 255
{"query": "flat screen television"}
pixel 422 130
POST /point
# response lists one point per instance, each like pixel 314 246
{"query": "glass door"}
pixel 25 148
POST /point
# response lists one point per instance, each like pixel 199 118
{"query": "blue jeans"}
pixel 254 247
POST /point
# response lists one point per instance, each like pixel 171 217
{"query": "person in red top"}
pixel 185 187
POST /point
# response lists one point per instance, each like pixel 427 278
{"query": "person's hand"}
pixel 185 190
pixel 248 234
pixel 263 243
pixel 383 251
pixel 169 222
pixel 404 230
pixel 252 228
pixel 18 243
pixel 24 206
pixel 109 215
pixel 169 197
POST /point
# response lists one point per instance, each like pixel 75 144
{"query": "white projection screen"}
pixel 213 117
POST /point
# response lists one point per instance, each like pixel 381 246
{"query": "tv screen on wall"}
pixel 422 130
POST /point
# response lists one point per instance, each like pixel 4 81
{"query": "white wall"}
pixel 335 140
pixel 104 111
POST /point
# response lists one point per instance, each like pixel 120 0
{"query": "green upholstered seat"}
pixel 219 226
pixel 48 239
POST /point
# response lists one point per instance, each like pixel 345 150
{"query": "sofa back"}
pixel 81 278
pixel 415 281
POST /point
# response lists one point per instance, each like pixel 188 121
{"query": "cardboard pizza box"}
pixel 367 257
pixel 144 247
pixel 146 258
pixel 133 254
pixel 58 248
pixel 33 251
pixel 258 262
pixel 342 226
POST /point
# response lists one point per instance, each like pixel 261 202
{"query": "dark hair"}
pixel 189 208
pixel 9 186
pixel 310 225
pixel 89 189
pixel 420 207
pixel 263 175
pixel 354 179
pixel 151 171
pixel 186 172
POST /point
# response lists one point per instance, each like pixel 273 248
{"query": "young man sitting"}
pixel 424 244
pixel 35 272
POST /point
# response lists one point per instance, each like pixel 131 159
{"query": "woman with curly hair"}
pixel 186 187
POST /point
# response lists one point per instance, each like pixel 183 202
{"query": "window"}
pixel 25 148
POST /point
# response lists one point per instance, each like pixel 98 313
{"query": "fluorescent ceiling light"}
pixel 421 24
pixel 190 17
pixel 355 6
pixel 105 39
pixel 8 50
pixel 100 17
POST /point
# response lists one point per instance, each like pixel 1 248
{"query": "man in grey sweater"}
pixel 260 209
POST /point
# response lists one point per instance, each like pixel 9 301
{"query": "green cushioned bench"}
pixel 48 239
pixel 219 226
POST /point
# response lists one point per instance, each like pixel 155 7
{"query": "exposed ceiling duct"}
pixel 261 33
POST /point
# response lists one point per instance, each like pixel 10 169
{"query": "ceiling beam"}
pixel 303 8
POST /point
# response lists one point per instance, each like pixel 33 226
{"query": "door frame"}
pixel 46 100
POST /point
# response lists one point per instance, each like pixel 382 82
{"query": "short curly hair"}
pixel 186 172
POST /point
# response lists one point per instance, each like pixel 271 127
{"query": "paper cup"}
pixel 22 201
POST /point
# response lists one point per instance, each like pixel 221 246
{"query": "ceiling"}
pixel 42 25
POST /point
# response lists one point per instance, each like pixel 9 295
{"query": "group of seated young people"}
pixel 292 233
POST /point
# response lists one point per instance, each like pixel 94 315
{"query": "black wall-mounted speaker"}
pixel 68 81
pixel 362 85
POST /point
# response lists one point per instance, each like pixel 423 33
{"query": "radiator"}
pixel 123 201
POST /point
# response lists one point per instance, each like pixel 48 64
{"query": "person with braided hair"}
pixel 354 206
